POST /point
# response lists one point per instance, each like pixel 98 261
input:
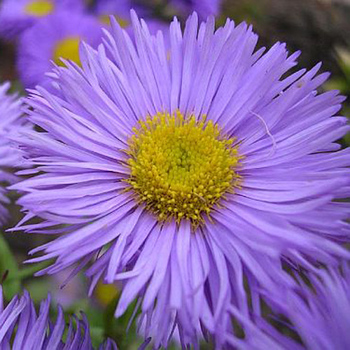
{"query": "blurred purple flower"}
pixel 64 293
pixel 322 317
pixel 184 173
pixel 18 15
pixel 121 11
pixel 55 36
pixel 259 335
pixel 319 310
pixel 204 8
pixel 21 327
pixel 10 157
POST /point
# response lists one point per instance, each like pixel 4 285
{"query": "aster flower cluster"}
pixel 188 176
pixel 22 327
pixel 48 31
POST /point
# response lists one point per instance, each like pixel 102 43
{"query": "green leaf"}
pixel 31 270
pixel 8 270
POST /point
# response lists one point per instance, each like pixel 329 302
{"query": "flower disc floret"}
pixel 181 167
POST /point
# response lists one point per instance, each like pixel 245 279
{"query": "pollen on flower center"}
pixel 179 167
pixel 67 48
pixel 39 8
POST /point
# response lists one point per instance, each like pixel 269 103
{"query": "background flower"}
pixel 18 15
pixel 54 37
pixel 11 122
pixel 319 309
pixel 120 10
pixel 21 327
pixel 289 171
pixel 204 8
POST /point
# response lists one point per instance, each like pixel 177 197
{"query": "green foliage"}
pixel 9 272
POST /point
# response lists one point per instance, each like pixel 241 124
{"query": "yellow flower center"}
pixel 39 8
pixel 179 167
pixel 68 49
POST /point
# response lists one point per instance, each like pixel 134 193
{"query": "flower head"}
pixel 18 15
pixel 10 157
pixel 53 38
pixel 183 173
pixel 21 327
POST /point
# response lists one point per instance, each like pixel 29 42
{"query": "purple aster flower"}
pixel 10 157
pixel 204 8
pixel 259 335
pixel 54 37
pixel 18 15
pixel 21 327
pixel 184 173
pixel 320 310
pixel 323 318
